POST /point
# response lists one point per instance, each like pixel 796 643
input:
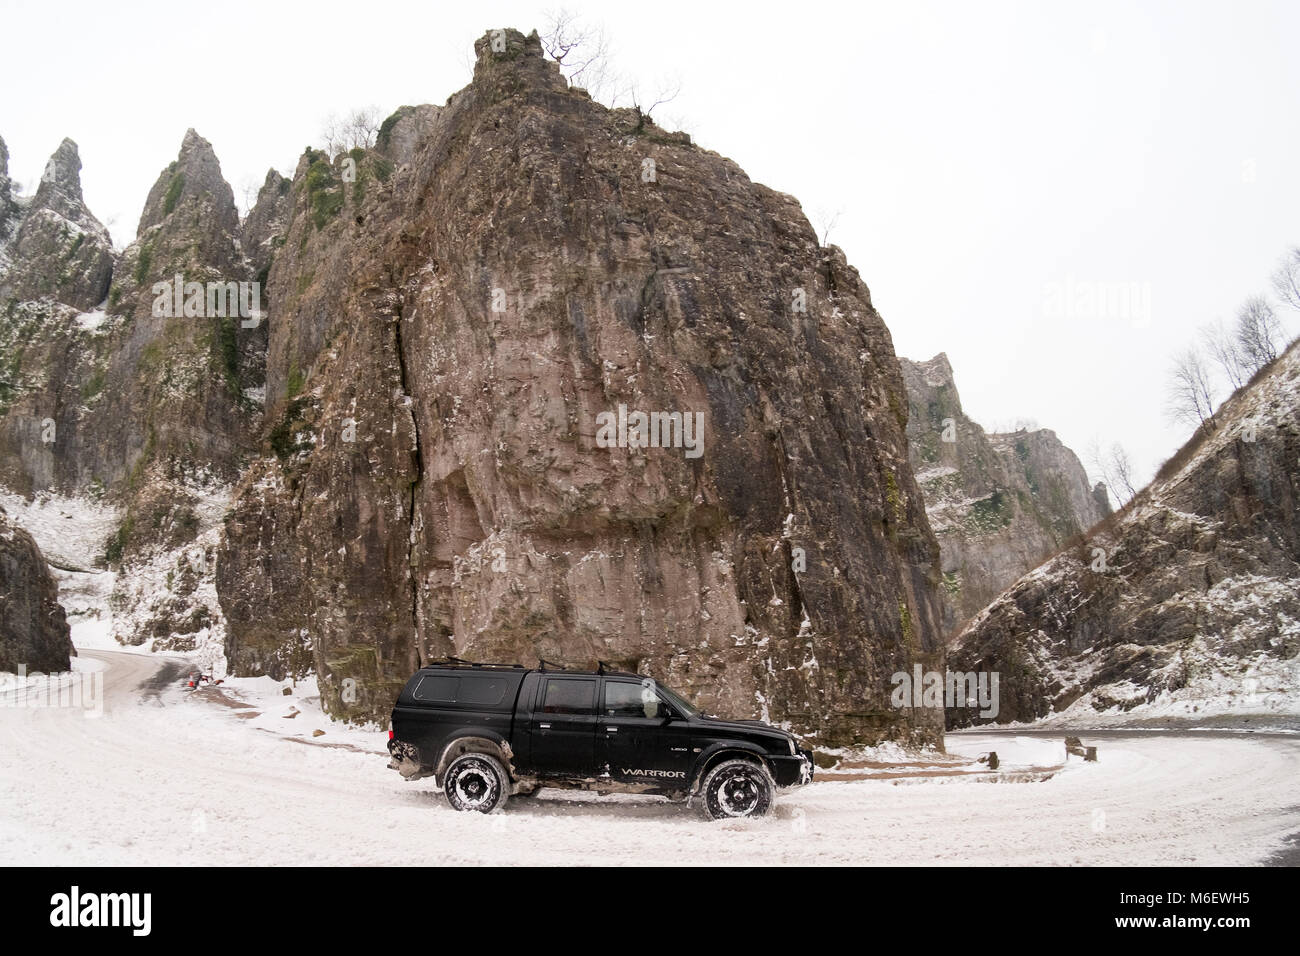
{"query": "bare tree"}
pixel 665 91
pixel 1258 334
pixel 1101 465
pixel 249 187
pixel 1115 469
pixel 825 220
pixel 357 129
pixel 582 50
pixel 1123 468
pixel 1191 389
pixel 585 55
pixel 1222 345
pixel 1286 279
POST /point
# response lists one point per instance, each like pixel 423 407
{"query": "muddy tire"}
pixel 736 789
pixel 476 783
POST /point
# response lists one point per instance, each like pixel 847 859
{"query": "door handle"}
pixel 544 726
pixel 611 730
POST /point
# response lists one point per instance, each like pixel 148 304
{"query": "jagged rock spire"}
pixel 194 178
pixel 62 172
pixel 60 188
pixel 61 250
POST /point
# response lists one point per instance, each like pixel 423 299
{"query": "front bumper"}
pixel 792 770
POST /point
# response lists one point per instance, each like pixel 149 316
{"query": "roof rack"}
pixel 457 662
pixel 543 663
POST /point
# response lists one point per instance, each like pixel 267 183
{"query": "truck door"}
pixel 636 741
pixel 563 727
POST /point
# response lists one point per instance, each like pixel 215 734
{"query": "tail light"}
pixel 390 735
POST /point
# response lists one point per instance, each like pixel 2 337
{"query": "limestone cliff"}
pixel 126 390
pixel 455 313
pixel 998 503
pixel 58 263
pixel 147 403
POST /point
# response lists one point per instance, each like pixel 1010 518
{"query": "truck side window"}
pixel 625 699
pixel 569 695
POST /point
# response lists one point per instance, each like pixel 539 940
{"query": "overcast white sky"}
pixel 984 155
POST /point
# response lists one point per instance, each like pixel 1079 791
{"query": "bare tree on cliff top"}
pixel 585 55
pixel 582 50
pixel 1259 334
pixel 1286 279
pixel 1115 469
pixel 824 220
pixel 1123 470
pixel 1222 345
pixel 357 129
pixel 1191 389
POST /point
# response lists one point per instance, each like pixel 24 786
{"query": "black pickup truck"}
pixel 485 732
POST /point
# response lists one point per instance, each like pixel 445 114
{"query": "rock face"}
pixel 60 250
pixel 57 263
pixel 149 403
pixel 998 503
pixel 401 134
pixel 1187 599
pixel 186 374
pixel 34 630
pixel 9 209
pixel 188 366
pixel 263 230
pixel 451 329
pixel 107 400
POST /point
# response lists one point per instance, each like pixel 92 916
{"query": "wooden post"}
pixel 1073 745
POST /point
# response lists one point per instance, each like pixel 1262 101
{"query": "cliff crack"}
pixel 408 398
pixel 795 594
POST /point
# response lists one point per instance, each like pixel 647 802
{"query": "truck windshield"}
pixel 678 701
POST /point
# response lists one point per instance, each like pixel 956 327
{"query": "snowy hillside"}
pixel 1185 606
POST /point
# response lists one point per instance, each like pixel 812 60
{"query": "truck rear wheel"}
pixel 476 782
pixel 737 789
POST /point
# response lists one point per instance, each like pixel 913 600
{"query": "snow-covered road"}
pixel 165 778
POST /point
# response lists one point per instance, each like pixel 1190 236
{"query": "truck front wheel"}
pixel 737 788
pixel 476 782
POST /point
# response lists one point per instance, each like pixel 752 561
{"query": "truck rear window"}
pixel 473 690
pixel 437 688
